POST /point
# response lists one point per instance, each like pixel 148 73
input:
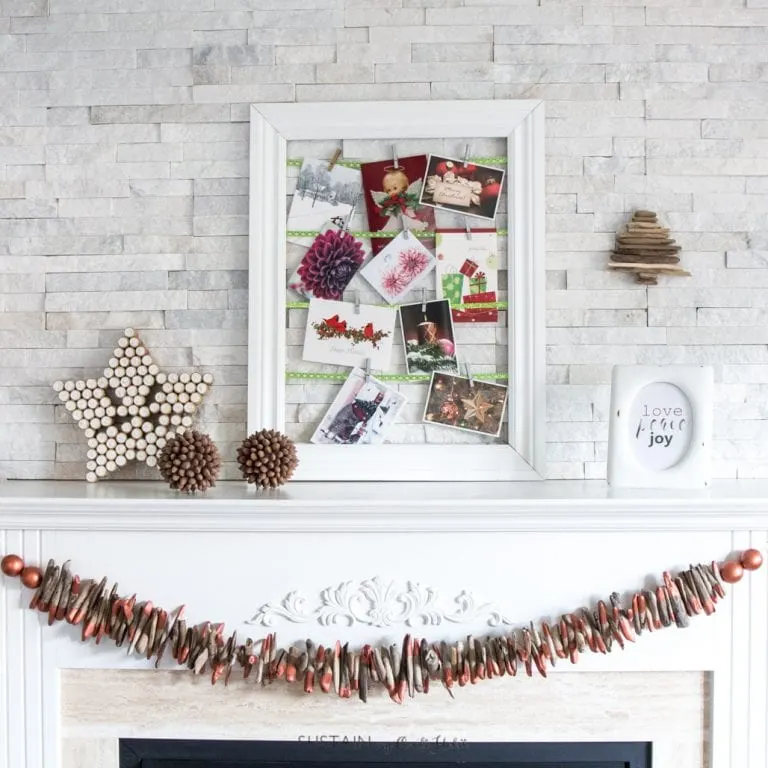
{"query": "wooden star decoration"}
pixel 129 413
pixel 476 407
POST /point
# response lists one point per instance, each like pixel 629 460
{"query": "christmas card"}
pixel 322 195
pixel 430 344
pixel 341 333
pixel 474 190
pixel 467 404
pixel 392 195
pixel 328 265
pixel 467 272
pixel 401 266
pixel 361 413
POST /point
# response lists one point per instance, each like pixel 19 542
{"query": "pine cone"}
pixel 190 462
pixel 267 458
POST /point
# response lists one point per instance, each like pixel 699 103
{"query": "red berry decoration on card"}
pixel 467 170
pixel 731 571
pixel 751 559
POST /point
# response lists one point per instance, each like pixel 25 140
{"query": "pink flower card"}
pixel 399 267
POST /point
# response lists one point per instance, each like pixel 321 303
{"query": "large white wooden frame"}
pixel 522 122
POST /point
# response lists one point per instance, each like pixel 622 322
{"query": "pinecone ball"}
pixel 190 462
pixel 267 458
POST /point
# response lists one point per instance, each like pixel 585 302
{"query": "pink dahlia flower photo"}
pixel 394 282
pixel 330 263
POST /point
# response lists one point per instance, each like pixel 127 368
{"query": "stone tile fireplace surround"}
pixel 457 559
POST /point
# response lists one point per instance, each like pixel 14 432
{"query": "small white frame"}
pixel 693 470
pixel 522 122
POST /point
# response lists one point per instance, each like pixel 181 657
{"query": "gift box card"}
pixel 361 413
pixel 399 267
pixel 392 198
pixel 467 404
pixel 341 333
pixel 430 344
pixel 322 195
pixel 474 190
pixel 467 269
pixel 328 265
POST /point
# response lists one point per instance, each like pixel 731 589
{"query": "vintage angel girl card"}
pixel 392 193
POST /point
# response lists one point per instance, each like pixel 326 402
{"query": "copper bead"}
pixel 751 559
pixel 731 571
pixel 11 565
pixel 31 577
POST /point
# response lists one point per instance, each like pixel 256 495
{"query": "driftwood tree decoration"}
pixel 646 249
pixel 403 669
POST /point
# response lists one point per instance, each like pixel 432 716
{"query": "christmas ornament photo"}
pixel 462 187
pixel 660 429
pixel 428 337
pixel 459 402
pixel 362 412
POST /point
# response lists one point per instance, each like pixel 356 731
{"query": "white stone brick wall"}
pixel 123 188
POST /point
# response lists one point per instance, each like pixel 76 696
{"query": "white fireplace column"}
pixel 453 559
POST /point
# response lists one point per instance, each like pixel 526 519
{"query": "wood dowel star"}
pixel 129 412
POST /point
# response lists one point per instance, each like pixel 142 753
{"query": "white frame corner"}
pixel 522 122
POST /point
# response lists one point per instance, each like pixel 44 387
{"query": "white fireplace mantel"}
pixel 360 507
pixel 522 551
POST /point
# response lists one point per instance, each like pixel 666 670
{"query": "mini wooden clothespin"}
pixel 466 155
pixel 357 303
pixel 394 156
pixel 349 216
pixel 468 230
pixel 423 299
pixel 334 159
pixel 469 376
pixel 367 368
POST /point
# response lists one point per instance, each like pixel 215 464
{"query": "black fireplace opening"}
pixel 359 752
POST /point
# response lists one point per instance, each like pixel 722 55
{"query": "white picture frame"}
pixel 522 123
pixel 675 393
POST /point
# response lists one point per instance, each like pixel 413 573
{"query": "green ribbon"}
pixel 479 305
pixel 295 162
pixel 408 377
pixel 425 236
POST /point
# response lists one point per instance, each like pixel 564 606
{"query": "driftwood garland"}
pixel 404 669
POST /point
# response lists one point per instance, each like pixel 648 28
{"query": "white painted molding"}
pixel 381 507
pixel 522 123
pixel 378 602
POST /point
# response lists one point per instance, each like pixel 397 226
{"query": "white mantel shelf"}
pixel 316 507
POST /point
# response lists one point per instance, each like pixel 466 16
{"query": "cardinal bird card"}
pixel 467 272
pixel 392 198
pixel 474 190
pixel 399 268
pixel 322 195
pixel 466 404
pixel 341 333
pixel 362 412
